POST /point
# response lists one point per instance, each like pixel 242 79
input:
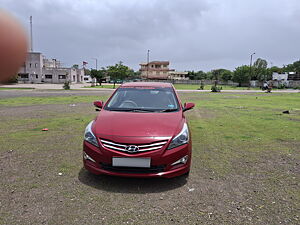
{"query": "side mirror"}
pixel 188 106
pixel 98 104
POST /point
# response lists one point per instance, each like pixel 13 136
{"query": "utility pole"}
pixel 96 63
pixel 148 63
pixel 251 67
pixel 31 41
pixel 94 79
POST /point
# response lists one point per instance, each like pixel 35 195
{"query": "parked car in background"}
pixel 141 131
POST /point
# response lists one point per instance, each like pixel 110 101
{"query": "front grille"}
pixel 121 169
pixel 133 148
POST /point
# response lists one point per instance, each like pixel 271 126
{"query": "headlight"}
pixel 181 139
pixel 89 136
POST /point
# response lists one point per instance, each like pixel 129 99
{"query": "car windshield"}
pixel 143 99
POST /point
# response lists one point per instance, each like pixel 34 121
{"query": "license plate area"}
pixel 131 162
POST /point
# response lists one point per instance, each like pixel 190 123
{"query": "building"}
pixel 159 70
pixel 280 76
pixel 38 69
pixel 287 79
pixel 176 75
pixel 287 76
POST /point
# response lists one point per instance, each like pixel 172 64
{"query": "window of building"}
pixel 86 78
pixel 61 76
pixel 37 76
pixel 35 65
pixel 157 66
pixel 157 72
pixel 152 66
pixel 24 76
pixel 48 76
pixel 73 78
pixel 30 65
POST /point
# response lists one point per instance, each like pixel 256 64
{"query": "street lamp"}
pixel 251 67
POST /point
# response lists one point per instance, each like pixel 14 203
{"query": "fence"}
pixel 195 82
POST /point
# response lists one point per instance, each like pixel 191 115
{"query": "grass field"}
pixel 245 167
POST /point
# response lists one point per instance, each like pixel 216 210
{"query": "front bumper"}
pixel 161 162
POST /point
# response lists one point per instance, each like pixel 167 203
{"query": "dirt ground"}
pixel 43 182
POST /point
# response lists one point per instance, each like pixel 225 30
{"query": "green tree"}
pixel 87 72
pixel 241 75
pixel 98 75
pixel 225 75
pixel 216 74
pixel 118 72
pixel 294 67
pixel 200 75
pixel 192 75
pixel 134 74
pixel 275 69
pixel 259 70
pixel 209 75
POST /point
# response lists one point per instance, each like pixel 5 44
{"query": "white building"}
pixel 177 75
pixel 38 69
pixel 280 76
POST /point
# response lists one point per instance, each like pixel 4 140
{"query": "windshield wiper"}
pixel 142 110
pixel 168 110
pixel 132 110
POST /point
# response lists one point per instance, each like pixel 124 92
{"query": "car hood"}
pixel 115 125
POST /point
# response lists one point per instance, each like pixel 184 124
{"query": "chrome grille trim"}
pixel 141 147
pixel 155 144
pixel 115 148
pixel 112 143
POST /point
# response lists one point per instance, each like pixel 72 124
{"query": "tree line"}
pixel 115 72
pixel 243 74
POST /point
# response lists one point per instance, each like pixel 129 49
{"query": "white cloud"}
pixel 198 34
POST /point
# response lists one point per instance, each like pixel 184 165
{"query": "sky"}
pixel 191 34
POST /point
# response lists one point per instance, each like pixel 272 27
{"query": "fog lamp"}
pixel 183 160
pixel 87 157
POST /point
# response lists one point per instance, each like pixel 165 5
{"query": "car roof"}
pixel 146 84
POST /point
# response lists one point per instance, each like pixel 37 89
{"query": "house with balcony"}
pixel 159 70
pixel 155 70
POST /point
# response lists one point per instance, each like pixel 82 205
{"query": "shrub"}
pixel 281 86
pixel 215 88
pixel 67 85
pixel 201 86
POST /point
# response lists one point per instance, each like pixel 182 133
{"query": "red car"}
pixel 141 131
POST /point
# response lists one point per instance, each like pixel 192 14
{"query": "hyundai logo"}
pixel 132 148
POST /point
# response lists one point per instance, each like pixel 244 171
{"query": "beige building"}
pixel 177 75
pixel 155 70
pixel 159 70
pixel 38 69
